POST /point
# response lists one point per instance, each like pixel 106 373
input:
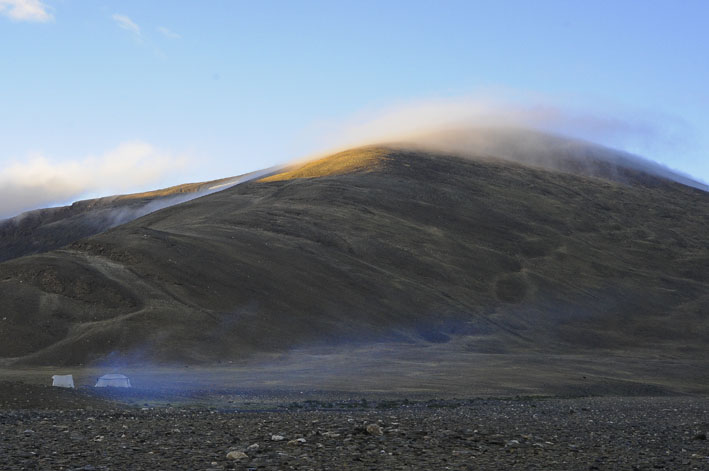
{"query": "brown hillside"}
pixel 378 244
pixel 47 229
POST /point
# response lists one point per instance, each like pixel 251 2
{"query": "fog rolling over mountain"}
pixel 381 244
pixel 545 150
pixel 47 229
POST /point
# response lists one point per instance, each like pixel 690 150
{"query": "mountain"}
pixel 47 229
pixel 379 244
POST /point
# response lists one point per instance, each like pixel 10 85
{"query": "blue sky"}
pixel 131 95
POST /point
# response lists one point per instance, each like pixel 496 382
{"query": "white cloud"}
pixel 126 23
pixel 636 131
pixel 25 10
pixel 39 181
pixel 477 127
pixel 415 120
pixel 167 33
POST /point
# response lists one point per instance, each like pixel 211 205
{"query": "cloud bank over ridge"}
pixel 40 181
pixel 532 134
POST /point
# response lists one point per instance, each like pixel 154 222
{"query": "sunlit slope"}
pixel 378 244
pixel 367 159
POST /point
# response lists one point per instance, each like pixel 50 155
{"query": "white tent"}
pixel 63 381
pixel 113 381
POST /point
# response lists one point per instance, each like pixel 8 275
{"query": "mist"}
pixel 545 136
pixel 39 181
pixel 120 216
pixel 114 214
pixel 548 136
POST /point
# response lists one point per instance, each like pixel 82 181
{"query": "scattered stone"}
pixel 277 438
pixel 374 429
pixel 648 433
pixel 495 439
pixel 237 455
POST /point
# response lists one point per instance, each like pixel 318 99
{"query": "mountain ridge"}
pixel 423 248
pixel 47 229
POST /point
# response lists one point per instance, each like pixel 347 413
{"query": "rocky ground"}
pixel 329 433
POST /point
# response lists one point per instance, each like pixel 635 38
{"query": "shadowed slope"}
pixel 378 244
pixel 47 229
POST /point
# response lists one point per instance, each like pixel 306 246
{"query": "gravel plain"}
pixel 336 432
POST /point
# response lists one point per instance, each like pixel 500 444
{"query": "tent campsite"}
pixel 63 381
pixel 113 381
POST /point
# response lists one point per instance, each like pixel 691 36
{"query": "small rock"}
pixel 277 438
pixel 495 439
pixel 237 455
pixel 374 429
pixel 297 441
pixel 330 434
pixel 253 447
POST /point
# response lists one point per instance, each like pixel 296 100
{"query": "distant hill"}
pixel 47 229
pixel 378 244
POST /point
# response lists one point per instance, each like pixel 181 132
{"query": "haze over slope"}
pixel 378 243
pixel 47 229
pixel 549 151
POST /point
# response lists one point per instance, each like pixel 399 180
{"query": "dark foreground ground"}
pixel 336 431
pixel 542 413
